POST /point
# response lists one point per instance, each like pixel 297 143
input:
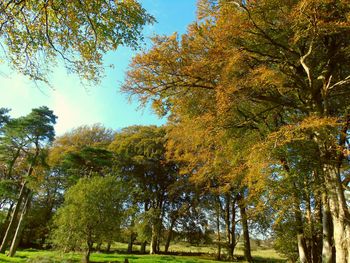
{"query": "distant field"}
pixel 42 256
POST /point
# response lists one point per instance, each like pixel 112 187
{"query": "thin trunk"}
pixel 311 244
pixel 131 242
pixel 246 238
pixel 233 227
pixel 218 230
pixel 7 221
pixel 158 245
pixel 302 248
pixel 228 225
pixel 86 257
pixel 18 234
pixel 317 236
pixel 12 163
pixel 12 225
pixel 143 247
pixel 218 237
pixel 327 254
pixel 108 248
pixel 98 246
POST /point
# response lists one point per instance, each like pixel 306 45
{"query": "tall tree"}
pixel 29 135
pixel 140 158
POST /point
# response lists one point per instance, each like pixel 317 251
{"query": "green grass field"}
pixel 206 256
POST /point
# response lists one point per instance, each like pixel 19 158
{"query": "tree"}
pixel 141 161
pixel 25 139
pixel 82 152
pixel 36 33
pixel 92 212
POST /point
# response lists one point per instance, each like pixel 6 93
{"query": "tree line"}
pixel 93 186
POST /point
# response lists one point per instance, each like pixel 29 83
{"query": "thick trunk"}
pixel 302 248
pixel 327 253
pixel 12 225
pixel 154 240
pixel 20 225
pixel 86 257
pixel 167 242
pixel 169 236
pixel 246 238
pixel 339 213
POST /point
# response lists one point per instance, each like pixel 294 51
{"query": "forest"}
pixel 255 149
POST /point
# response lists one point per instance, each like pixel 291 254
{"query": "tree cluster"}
pixel 258 98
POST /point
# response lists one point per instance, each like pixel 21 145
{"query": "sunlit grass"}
pixel 205 254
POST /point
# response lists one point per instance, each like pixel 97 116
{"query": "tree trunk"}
pixel 246 238
pixel 317 234
pixel 312 238
pixel 131 242
pixel 143 247
pixel 98 246
pixel 169 236
pixel 228 225
pixel 327 253
pixel 233 228
pixel 339 213
pixel 7 221
pixel 302 249
pixel 218 230
pixel 20 225
pixel 108 248
pixel 12 225
pixel 154 240
pixel 86 257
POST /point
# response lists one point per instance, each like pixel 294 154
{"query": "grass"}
pixel 201 255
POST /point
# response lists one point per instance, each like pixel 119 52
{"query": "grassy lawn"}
pixel 42 256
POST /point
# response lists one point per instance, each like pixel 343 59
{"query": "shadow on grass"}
pixel 268 260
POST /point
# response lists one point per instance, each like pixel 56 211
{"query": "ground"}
pixel 199 255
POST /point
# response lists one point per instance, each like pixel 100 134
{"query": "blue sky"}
pixel 76 105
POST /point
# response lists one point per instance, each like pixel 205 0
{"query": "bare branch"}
pixel 302 62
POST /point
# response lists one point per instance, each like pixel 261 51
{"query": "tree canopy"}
pixel 37 34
